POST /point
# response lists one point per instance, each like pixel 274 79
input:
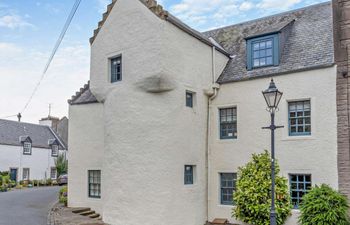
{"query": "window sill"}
pixel 299 138
pixel 226 206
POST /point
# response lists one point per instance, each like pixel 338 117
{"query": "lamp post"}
pixel 272 97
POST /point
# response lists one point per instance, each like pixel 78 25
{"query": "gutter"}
pixel 212 96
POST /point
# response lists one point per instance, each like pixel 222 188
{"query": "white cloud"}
pixel 200 13
pixel 20 73
pixel 14 21
pixel 9 49
pixel 245 6
pixel 277 4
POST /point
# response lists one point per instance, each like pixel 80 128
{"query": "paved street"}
pixel 27 207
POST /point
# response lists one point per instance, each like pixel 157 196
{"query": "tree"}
pixel 253 192
pixel 61 164
pixel 323 205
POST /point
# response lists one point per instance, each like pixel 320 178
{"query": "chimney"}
pixel 50 121
pixel 341 28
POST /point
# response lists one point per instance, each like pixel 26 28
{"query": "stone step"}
pixel 87 213
pixel 80 210
pixel 95 215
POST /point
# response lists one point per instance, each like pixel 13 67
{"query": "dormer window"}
pixel 54 150
pixel 262 51
pixel 27 148
pixel 116 69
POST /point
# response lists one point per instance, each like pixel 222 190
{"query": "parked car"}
pixel 63 179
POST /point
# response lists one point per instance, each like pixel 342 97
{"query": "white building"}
pixel 28 151
pixel 170 113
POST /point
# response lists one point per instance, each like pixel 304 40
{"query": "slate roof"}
pixel 83 96
pixel 13 132
pixel 308 45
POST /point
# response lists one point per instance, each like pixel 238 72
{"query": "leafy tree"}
pixel 323 205
pixel 253 192
pixel 61 164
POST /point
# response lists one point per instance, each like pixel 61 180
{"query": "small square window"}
pixel 189 99
pixel 116 69
pixel 189 178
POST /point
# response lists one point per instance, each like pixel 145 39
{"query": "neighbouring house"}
pixel 28 151
pixel 170 113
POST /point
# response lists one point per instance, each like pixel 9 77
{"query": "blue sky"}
pixel 29 30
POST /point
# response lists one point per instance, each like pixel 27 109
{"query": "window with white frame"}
pixel 25 174
pixel 54 150
pixel 94 177
pixel 53 173
pixel 27 148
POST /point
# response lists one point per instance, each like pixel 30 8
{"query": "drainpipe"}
pixel 210 99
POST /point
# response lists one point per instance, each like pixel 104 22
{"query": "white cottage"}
pixel 170 113
pixel 28 150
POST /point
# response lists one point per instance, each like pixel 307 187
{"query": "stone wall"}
pixel 341 15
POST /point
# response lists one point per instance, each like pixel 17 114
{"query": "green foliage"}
pixel 323 205
pixel 63 195
pixel 253 196
pixel 61 164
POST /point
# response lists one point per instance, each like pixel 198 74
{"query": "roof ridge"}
pixel 79 93
pixel 270 16
pixel 13 121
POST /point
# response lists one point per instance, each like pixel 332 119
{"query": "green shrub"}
pixel 63 195
pixel 323 205
pixel 253 197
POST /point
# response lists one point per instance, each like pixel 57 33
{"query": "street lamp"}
pixel 272 97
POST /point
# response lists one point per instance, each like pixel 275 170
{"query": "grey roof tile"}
pixel 309 44
pixel 84 96
pixel 13 132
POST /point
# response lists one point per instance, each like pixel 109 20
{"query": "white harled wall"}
pixel 150 137
pixel 39 162
pixel 315 154
pixel 86 148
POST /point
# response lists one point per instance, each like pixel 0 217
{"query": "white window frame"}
pixel 27 148
pixel 54 150
pixel 55 173
pixel 25 173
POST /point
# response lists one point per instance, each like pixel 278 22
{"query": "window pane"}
pixel 262 62
pixel 256 62
pixel 256 46
pixel 269 52
pixel 269 60
pixel 256 54
pixel 262 45
pixel 268 44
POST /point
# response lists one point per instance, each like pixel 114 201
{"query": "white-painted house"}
pixel 170 113
pixel 28 150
